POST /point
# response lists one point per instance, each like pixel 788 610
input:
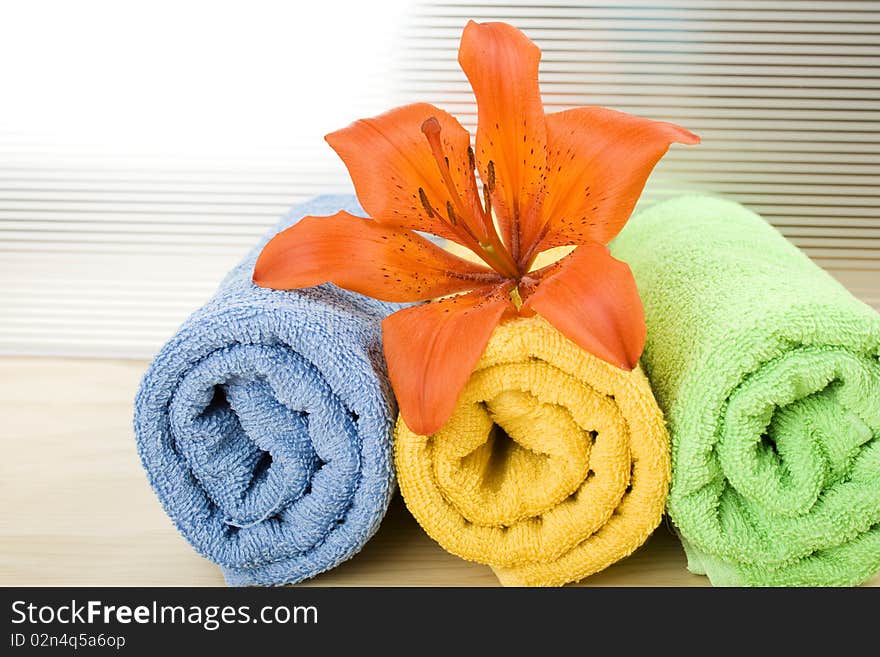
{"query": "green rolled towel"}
pixel 767 370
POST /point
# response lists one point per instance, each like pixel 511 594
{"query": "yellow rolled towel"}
pixel 553 466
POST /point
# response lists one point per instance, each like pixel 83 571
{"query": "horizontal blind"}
pixel 105 258
pixel 110 239
pixel 105 253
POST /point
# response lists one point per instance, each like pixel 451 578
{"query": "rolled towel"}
pixel 767 370
pixel 265 424
pixel 553 466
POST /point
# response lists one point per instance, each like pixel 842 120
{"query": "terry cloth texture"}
pixel 265 424
pixel 553 466
pixel 767 370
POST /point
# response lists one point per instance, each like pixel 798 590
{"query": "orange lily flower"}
pixel 565 178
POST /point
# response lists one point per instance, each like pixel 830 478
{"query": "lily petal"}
pixel 502 66
pixel 365 257
pixel 432 349
pixel 394 172
pixel 592 299
pixel 599 161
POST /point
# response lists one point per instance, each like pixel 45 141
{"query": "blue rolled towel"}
pixel 265 424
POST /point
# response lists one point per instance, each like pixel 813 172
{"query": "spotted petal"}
pixel 396 176
pixel 364 256
pixel 599 161
pixel 592 298
pixel 501 64
pixel 432 349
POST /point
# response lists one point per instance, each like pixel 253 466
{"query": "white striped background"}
pixel 104 253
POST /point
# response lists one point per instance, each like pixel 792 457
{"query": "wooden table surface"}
pixel 77 509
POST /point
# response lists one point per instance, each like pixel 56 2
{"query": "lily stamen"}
pixel 431 129
pixel 487 200
pixel 498 256
pixel 450 212
pixel 426 204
